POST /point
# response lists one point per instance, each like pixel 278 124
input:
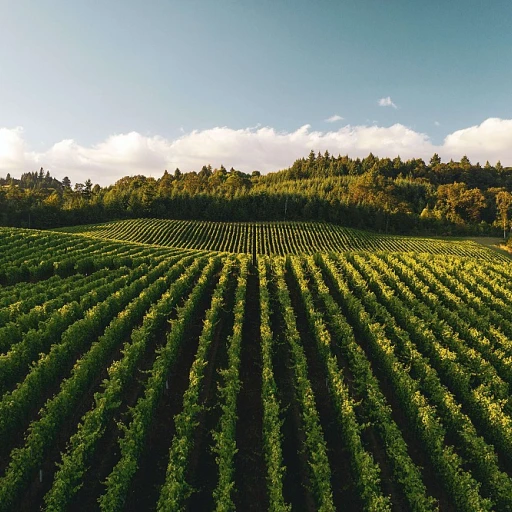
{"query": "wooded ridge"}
pixel 381 194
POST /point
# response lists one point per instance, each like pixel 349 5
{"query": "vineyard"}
pixel 151 365
pixel 270 238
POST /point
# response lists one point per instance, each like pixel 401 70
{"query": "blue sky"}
pixel 108 88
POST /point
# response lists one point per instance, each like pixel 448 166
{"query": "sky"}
pixel 104 89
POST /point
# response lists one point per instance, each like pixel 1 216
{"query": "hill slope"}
pixel 356 381
pixel 270 238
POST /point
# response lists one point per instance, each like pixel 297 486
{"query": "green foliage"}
pixel 414 348
pixel 314 439
pixel 176 489
pixel 272 238
pixel 271 408
pixel 132 443
pixel 380 194
pixel 90 431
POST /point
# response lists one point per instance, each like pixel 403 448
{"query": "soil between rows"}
pixel 150 476
pixel 296 482
pixel 415 447
pixel 250 469
pixel 107 453
pixel 203 470
pixel 345 495
pixel 34 494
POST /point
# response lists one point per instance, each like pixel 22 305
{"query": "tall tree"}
pixel 435 160
pixel 503 203
pixel 465 163
pixel 66 183
pixel 87 189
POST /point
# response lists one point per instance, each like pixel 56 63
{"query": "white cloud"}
pixel 490 140
pixel 437 123
pixel 13 150
pixel 386 102
pixel 333 119
pixel 247 149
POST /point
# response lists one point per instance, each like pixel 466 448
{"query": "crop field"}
pixel 142 368
pixel 271 238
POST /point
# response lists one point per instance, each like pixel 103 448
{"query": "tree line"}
pixel 381 194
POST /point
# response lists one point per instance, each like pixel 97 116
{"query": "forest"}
pixel 380 194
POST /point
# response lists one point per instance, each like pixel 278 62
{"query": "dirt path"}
pixel 492 243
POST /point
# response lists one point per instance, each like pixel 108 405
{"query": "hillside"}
pixel 271 238
pixel 138 376
pixel 377 194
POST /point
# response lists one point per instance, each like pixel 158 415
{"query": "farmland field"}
pixel 151 365
pixel 271 238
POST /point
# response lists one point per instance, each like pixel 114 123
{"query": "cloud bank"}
pixel 258 148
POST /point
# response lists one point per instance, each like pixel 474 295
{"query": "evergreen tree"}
pixel 66 183
pixel 435 160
